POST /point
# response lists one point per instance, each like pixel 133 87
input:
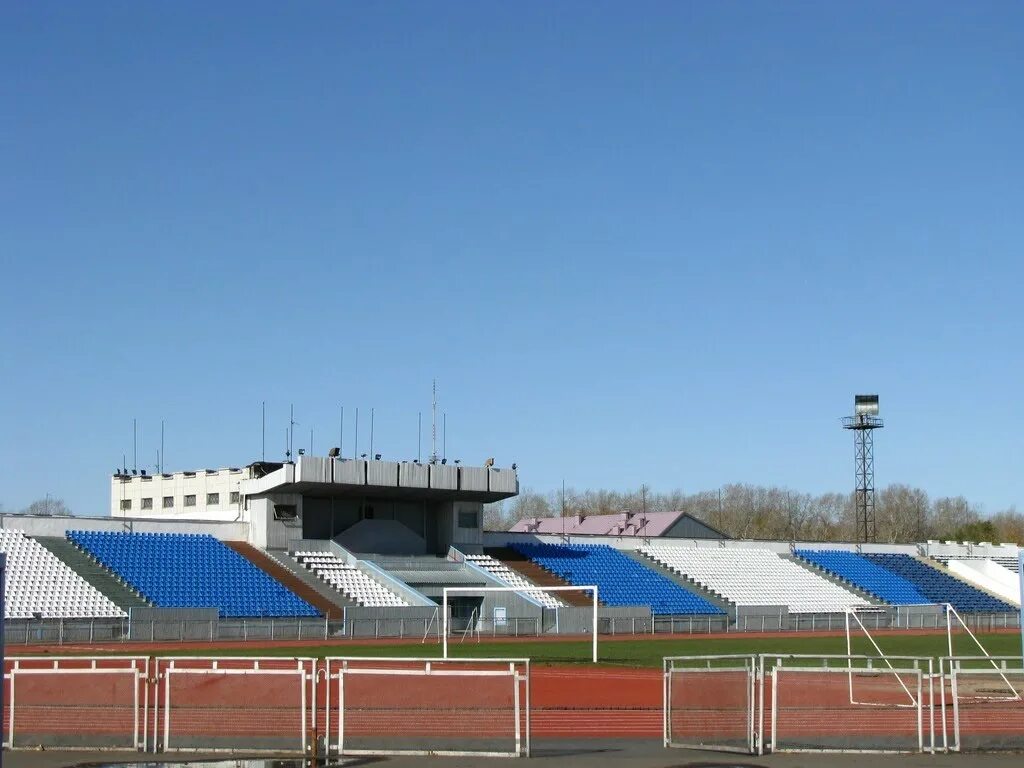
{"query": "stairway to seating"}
pixel 283 576
pixel 621 581
pixel 533 573
pixel 103 580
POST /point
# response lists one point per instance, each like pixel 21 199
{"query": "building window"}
pixel 285 512
pixel 147 503
pixel 468 520
pixel 234 497
pixel 126 504
pixel 212 499
pixel 168 502
pixel 190 500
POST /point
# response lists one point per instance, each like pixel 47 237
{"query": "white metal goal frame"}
pixel 302 668
pixel 592 588
pixel 336 668
pixel 135 667
pixel 853 613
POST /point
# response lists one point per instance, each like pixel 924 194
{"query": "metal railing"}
pixel 85 631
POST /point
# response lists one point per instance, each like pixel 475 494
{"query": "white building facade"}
pixel 324 498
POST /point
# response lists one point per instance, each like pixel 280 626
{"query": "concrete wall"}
pixel 502 538
pixel 989 576
pixel 57 526
pixel 265 530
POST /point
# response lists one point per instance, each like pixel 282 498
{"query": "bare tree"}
pixel 47 507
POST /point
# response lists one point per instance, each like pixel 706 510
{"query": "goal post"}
pixel 592 588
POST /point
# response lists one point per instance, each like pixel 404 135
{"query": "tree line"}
pixel 902 514
pixel 48 507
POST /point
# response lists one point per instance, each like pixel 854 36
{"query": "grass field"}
pixel 646 652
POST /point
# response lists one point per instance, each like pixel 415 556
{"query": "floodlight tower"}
pixel 864 422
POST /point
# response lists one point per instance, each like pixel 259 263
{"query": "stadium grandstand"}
pixel 353 542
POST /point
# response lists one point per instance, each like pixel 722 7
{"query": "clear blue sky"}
pixel 635 242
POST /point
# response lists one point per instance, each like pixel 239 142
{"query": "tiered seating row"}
pixel 940 587
pixel 349 580
pixel 190 571
pixel 505 574
pixel 755 577
pixel 620 580
pixel 40 584
pixel 900 579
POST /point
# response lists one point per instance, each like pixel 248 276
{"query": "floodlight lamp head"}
pixel 865 405
pixel 334 453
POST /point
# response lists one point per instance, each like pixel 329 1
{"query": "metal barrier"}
pixel 986 696
pixel 76 703
pixel 861 704
pixel 801 703
pixel 709 702
pixel 400 706
pixel 227 704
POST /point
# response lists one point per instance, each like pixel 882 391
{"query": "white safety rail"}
pixel 754 576
pixel 70 702
pixel 403 706
pixel 214 704
pixel 591 588
pixel 709 702
pixel 503 573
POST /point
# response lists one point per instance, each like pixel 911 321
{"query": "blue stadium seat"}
pixel 900 579
pixel 940 587
pixel 865 575
pixel 191 571
pixel 620 580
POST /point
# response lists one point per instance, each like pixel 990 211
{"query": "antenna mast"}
pixel 433 426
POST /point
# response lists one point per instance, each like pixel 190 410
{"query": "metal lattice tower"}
pixel 863 424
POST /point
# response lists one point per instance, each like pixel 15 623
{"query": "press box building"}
pixel 327 498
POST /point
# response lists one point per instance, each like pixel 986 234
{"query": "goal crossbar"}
pixel 592 588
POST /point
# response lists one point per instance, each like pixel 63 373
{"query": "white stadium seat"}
pixel 349 580
pixel 751 576
pixel 502 572
pixel 41 584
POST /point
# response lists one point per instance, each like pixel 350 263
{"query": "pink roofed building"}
pixel 639 524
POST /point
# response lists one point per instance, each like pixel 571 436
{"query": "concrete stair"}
pixel 119 593
pixel 533 573
pixel 290 580
pixel 334 596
